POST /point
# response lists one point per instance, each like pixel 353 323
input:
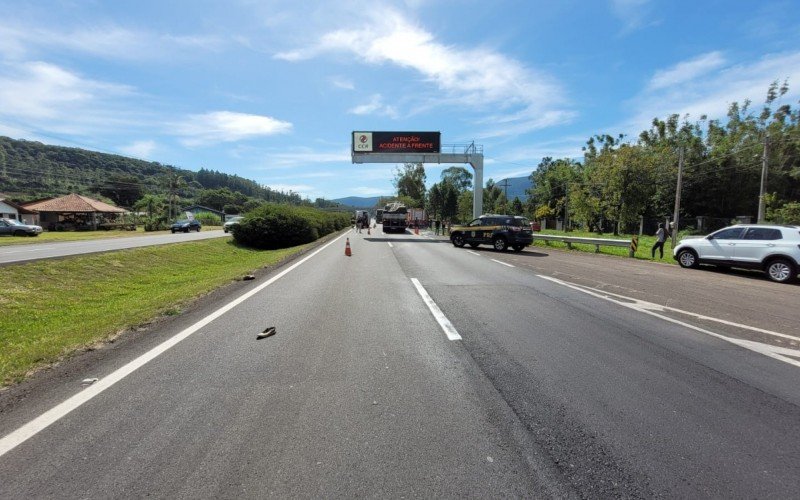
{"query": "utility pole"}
pixel 762 191
pixel 676 215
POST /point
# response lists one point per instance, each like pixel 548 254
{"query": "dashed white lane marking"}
pixel 445 323
pixel 501 262
pixel 775 352
pixel 473 253
pixel 390 244
pixel 38 424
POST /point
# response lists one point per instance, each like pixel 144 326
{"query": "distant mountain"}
pixel 358 202
pixel 516 187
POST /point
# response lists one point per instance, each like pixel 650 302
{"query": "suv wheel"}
pixel 781 271
pixel 687 258
pixel 500 244
pixel 458 240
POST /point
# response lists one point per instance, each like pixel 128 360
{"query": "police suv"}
pixel 500 231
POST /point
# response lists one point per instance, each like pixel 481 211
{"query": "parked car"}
pixel 14 227
pixel 500 231
pixel 186 225
pixel 230 222
pixel 772 248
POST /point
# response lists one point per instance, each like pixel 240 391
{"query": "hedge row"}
pixel 274 226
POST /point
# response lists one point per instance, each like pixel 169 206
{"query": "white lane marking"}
pixel 448 327
pixel 656 307
pixel 501 262
pixel 473 252
pixel 38 424
pixel 765 349
pixel 390 244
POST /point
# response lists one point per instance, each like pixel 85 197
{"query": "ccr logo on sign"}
pixel 362 141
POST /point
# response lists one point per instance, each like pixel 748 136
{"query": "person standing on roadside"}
pixel 661 237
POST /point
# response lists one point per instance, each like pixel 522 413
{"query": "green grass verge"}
pixel 643 251
pixel 56 236
pixel 52 308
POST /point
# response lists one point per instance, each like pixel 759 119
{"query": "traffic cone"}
pixel 347 251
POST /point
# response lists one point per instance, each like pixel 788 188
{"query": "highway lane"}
pixel 37 251
pixel 550 392
pixel 358 394
pixel 616 395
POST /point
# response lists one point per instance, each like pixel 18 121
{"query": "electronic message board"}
pixel 397 142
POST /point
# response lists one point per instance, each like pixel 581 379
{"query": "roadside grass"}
pixel 58 236
pixel 52 308
pixel 643 251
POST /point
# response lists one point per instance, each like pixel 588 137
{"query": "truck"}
pixel 379 216
pixel 417 217
pixel 394 218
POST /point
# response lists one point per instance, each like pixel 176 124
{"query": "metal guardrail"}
pixel 569 240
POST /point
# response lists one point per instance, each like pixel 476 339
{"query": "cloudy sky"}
pixel 271 90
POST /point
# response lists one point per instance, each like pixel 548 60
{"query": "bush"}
pixel 154 224
pixel 281 226
pixel 208 219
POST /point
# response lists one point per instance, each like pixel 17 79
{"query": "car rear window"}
pixel 763 233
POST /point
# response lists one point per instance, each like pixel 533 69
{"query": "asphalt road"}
pixel 563 383
pixel 37 251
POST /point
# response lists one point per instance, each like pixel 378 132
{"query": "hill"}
pixel 516 187
pixel 31 170
pixel 358 202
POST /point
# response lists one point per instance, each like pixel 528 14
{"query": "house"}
pixel 74 211
pixel 10 210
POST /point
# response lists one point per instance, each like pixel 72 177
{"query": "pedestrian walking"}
pixel 661 237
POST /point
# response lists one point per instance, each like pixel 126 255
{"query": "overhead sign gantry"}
pixel 419 147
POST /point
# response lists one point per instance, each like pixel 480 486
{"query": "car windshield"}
pixel 14 222
pixel 183 221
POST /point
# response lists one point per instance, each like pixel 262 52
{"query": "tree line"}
pixel 31 170
pixel 618 181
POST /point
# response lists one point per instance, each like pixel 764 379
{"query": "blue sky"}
pixel 271 90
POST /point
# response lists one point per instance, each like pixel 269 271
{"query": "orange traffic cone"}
pixel 347 251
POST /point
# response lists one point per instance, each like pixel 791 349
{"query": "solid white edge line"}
pixel 438 315
pixel 772 352
pixel 473 252
pixel 390 244
pixel 27 431
pixel 501 262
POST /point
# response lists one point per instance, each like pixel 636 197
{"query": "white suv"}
pixel 771 248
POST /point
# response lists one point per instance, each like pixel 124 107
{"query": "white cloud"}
pixel 478 79
pixel 227 126
pixel 341 82
pixel 109 41
pixel 375 106
pixel 687 70
pixel 46 97
pixel 139 149
pixel 632 13
pixel 711 93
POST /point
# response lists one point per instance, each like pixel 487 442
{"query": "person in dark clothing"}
pixel 661 237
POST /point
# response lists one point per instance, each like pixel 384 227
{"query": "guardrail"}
pixel 597 242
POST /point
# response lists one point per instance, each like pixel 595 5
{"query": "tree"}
pixel 124 190
pixel 152 204
pixel 410 181
pixel 435 201
pixel 493 198
pixel 174 183
pixel 516 206
pixel 458 177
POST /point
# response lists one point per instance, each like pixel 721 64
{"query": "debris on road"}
pixel 269 332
